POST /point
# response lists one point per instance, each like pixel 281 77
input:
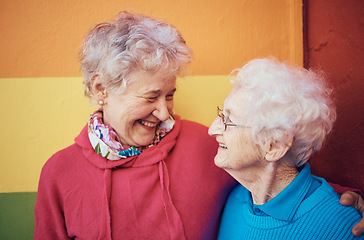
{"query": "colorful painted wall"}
pixel 41 86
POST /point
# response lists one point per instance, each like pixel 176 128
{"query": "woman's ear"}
pixel 98 89
pixel 278 149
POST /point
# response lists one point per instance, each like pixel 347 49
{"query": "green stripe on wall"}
pixel 17 215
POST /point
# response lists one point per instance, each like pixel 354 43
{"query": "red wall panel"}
pixel 334 43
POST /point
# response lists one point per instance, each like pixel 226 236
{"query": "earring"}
pixel 101 102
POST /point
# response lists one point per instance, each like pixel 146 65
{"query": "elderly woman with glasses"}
pixel 274 119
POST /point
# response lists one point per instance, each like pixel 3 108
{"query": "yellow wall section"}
pixel 41 38
pixel 44 115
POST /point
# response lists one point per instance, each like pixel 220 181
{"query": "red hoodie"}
pixel 172 190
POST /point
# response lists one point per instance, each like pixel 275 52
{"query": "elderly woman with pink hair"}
pixel 274 119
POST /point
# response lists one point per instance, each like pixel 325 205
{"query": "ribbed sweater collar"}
pixel 292 196
pixel 271 222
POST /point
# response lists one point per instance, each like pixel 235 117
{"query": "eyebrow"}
pixel 228 114
pixel 157 92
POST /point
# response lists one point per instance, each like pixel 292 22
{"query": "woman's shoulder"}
pixel 59 169
pixel 192 124
pixel 333 202
pixel 338 219
pixel 194 128
pixel 196 135
pixel 325 197
pixel 62 159
pixel 324 209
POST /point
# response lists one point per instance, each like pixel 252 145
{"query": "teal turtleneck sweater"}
pixel 308 208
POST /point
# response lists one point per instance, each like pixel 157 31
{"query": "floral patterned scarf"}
pixel 106 142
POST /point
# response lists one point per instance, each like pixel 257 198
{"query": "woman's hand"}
pixel 355 200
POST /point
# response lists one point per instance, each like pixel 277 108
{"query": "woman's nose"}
pixel 216 127
pixel 162 110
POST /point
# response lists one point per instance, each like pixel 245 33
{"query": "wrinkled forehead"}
pixel 158 74
pixel 235 103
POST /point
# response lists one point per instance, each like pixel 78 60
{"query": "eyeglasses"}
pixel 220 113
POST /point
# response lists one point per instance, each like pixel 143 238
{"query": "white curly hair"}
pixel 285 101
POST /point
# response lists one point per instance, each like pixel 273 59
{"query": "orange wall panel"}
pixel 42 38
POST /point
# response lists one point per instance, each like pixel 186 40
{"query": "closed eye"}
pixel 152 99
pixel 169 97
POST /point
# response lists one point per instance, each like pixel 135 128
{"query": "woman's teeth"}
pixel 147 124
pixel 222 145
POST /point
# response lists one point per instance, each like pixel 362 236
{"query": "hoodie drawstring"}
pixel 107 194
pixel 174 221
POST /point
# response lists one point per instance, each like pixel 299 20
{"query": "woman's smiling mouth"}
pixel 222 145
pixel 148 124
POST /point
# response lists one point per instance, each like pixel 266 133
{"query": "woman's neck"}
pixel 265 182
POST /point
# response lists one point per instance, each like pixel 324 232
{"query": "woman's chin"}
pixel 144 135
pixel 220 161
pixel 144 140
